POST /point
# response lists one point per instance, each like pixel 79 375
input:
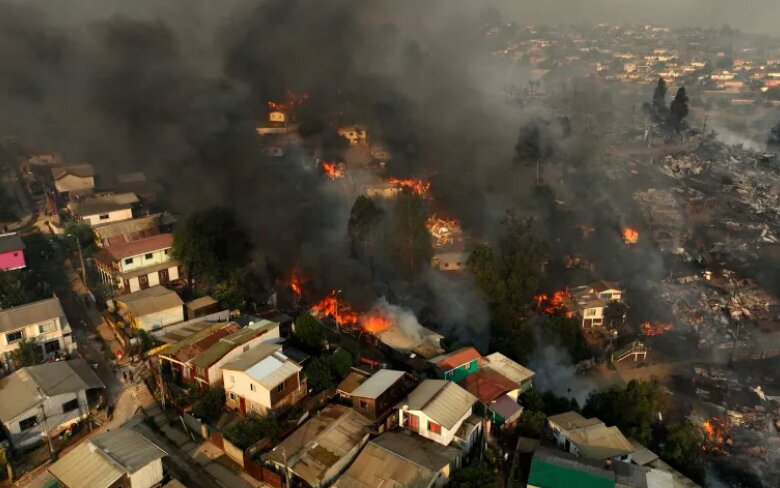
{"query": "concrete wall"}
pixel 141 261
pixel 56 419
pixel 113 216
pixel 241 387
pixel 148 476
pixel 444 438
pixel 160 319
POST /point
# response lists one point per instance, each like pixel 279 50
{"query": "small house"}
pixel 589 438
pixel 512 370
pixel 436 409
pixel 136 265
pixel 151 308
pixel 456 365
pixel 11 252
pixel 201 306
pixel 103 209
pixel 377 396
pixel 77 179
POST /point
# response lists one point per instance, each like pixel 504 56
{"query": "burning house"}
pixel 589 302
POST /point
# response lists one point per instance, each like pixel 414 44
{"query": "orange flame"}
pixel 419 187
pixel 296 280
pixel 333 170
pixel 340 311
pixel 654 329
pixel 553 304
pixel 293 100
pixel 374 323
pixel 444 231
pixel 630 236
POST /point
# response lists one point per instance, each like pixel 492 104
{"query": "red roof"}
pixel 487 385
pixel 458 358
pixel 197 348
pixel 141 246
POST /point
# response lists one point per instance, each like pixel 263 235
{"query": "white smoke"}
pixel 401 317
pixel 556 372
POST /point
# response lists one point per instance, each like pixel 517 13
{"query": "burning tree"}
pixel 553 304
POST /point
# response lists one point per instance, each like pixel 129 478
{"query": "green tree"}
pixel 615 313
pixel 13 291
pixel 211 244
pixel 410 243
pixel 243 285
pixel 251 429
pixel 633 408
pixel 309 332
pixel 678 110
pixel 361 228
pixel 28 353
pixel 568 332
pixel 682 449
pixel 320 374
pixel 480 475
pixel 532 424
pixel 341 362
pixel 208 404
pixel 83 233
pixel 659 98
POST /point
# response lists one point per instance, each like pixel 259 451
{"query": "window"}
pixel 104 216
pixel 280 388
pixel 232 396
pixel 71 405
pixel 148 256
pixel 129 261
pixel 434 427
pixel 167 252
pixel 591 312
pixel 12 337
pixel 252 386
pixel 28 423
pixel 51 347
pixel 45 328
pixel 363 404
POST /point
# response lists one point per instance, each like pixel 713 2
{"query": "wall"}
pixel 148 476
pixel 32 332
pixel 446 435
pixel 240 386
pixel 235 453
pixel 12 260
pixel 56 420
pixel 160 319
pixel 461 372
pixel 141 261
pixel 215 371
pixel 113 216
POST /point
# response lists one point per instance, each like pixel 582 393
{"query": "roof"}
pixel 20 390
pixel 84 170
pixel 554 469
pixel 134 248
pixel 123 231
pixel 151 300
pixel 378 383
pixel 641 454
pixel 201 302
pixel 228 343
pixel 135 177
pixel 193 345
pixel 426 344
pixel 452 360
pixel 441 400
pixel 105 458
pixel 572 420
pixel 592 437
pixel 508 368
pixel 487 385
pixel 506 407
pixel 353 380
pixel 603 285
pixel 396 460
pixel 265 364
pixel 103 203
pixel 11 242
pixel 30 314
pixel 323 441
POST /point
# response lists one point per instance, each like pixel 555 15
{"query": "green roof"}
pixel 545 474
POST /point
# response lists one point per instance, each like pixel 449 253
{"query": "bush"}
pixel 208 404
pixel 250 430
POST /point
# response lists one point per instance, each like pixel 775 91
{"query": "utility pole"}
pixel 81 258
pixel 45 421
pixel 704 129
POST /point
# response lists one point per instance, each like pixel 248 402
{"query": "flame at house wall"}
pixel 630 236
pixel 419 187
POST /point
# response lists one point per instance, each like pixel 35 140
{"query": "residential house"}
pixel 397 459
pixel 436 409
pixel 450 260
pixel 120 232
pixel 351 382
pixel 492 389
pixel 45 399
pixel 322 448
pixel 425 343
pixel 456 365
pixel 76 179
pixel 103 208
pixel 11 252
pixel 263 379
pixel 511 370
pixel 116 458
pixel 138 183
pixel 177 355
pixel 140 264
pixel 589 438
pixel 355 134
pixel 151 308
pixel 553 469
pixel 208 364
pixel 377 396
pixel 201 306
pixel 43 321
pixel 590 301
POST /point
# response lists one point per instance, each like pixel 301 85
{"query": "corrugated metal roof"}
pixel 351 382
pixel 443 401
pixel 30 314
pixel 454 359
pixel 103 203
pixel 487 385
pixel 266 364
pixel 229 343
pixel 136 248
pixel 507 367
pixel 553 469
pixel 378 383
pixel 194 344
pixel 151 300
pixel 11 242
pixel 105 458
pixel 130 230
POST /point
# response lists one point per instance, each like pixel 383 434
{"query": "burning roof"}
pixel 445 232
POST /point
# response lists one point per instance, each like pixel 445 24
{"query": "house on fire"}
pixel 589 438
pixel 589 301
pixel 140 264
pixel 11 252
pixel 320 449
pixel 43 321
pixel 262 379
pixel 103 208
pixel 44 400
pixel 436 409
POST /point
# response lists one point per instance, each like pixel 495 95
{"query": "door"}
pixel 163 276
pixel 413 422
pixel 242 404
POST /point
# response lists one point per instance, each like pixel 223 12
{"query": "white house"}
pixel 151 309
pixel 262 379
pixel 436 409
pixel 43 321
pixel 590 301
pixel 355 134
pixel 45 399
pixel 119 457
pixel 589 438
pixel 103 209
pixel 136 265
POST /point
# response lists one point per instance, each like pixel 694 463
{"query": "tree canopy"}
pixel 634 409
pixel 27 353
pixel 774 137
pixel 410 241
pixel 208 404
pixel 211 244
pixel 13 291
pixel 309 332
pixel 250 429
pixel 659 97
pixel 361 228
pixel 678 110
